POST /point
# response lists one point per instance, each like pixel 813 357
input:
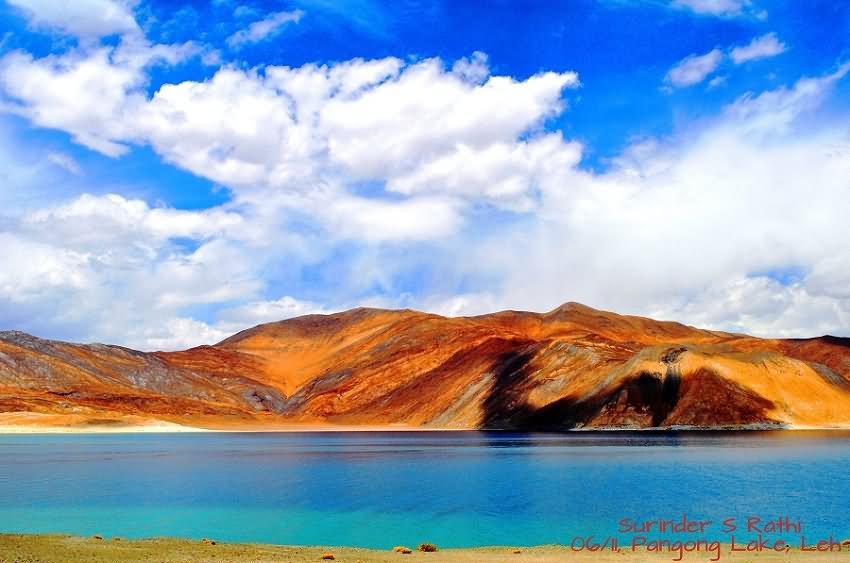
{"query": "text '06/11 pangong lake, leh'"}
pixel 371 281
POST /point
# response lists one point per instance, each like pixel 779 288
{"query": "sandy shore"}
pixel 167 427
pixel 161 427
pixel 66 549
pixel 38 423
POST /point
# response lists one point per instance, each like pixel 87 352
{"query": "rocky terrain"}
pixel 571 368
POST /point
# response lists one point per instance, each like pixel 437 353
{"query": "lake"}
pixel 379 489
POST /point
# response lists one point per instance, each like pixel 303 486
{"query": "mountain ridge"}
pixel 574 367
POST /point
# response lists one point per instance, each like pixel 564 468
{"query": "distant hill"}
pixel 574 367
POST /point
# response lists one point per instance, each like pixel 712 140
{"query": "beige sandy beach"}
pixel 37 423
pixel 168 428
pixel 66 549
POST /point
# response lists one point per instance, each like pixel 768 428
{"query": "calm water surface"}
pixel 380 489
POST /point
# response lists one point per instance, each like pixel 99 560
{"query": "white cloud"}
pixel 276 129
pixel 462 305
pixel 681 227
pixel 766 46
pixel 231 129
pixel 472 69
pixel 762 306
pixel 65 161
pixel 92 94
pixel 505 172
pixel 212 58
pixel 723 8
pixel 313 129
pixel 265 28
pixel 717 81
pixel 286 125
pixel 234 319
pixel 85 222
pixel 122 268
pixel 87 96
pixel 243 11
pixel 694 69
pixel 775 110
pixel 32 269
pixel 422 218
pixel 184 332
pixel 300 128
pixel 439 111
pixel 433 170
pixel 179 333
pixel 219 271
pixel 83 18
pixel 830 277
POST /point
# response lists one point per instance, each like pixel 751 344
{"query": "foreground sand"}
pixel 66 549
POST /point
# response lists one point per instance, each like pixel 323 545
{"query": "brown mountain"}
pixel 574 367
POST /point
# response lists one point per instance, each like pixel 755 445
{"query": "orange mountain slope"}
pixel 574 367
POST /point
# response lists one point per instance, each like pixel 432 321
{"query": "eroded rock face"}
pixel 574 367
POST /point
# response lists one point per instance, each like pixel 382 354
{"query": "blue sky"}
pixel 174 172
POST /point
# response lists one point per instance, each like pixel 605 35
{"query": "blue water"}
pixel 382 489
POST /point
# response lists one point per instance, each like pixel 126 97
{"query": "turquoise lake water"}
pixel 375 489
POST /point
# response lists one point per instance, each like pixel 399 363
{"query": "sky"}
pixel 174 172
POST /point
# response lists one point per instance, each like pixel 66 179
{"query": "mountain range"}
pixel 571 368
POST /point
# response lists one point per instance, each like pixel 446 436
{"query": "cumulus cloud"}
pixel 437 171
pixel 121 267
pixel 677 225
pixel 265 28
pixel 688 222
pixel 694 69
pixel 84 95
pixel 762 47
pixel 763 306
pixel 506 172
pixel 83 18
pixel 316 130
pixel 440 111
pixel 86 221
pixel 32 269
pixel 285 126
pixel 92 94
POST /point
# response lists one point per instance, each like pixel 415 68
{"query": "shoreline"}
pixel 174 428
pixel 37 423
pixel 55 548
pixel 180 429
